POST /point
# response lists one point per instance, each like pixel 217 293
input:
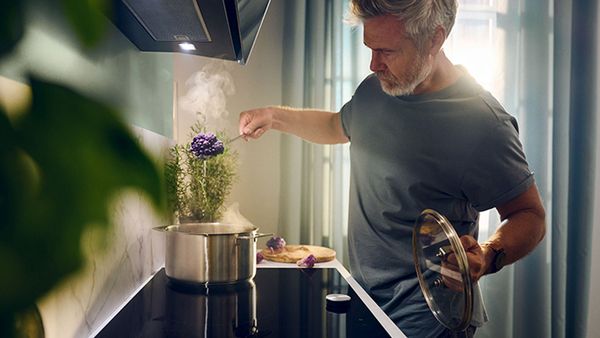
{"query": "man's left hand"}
pixel 476 257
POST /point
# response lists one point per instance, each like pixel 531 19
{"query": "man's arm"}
pixel 523 227
pixel 316 126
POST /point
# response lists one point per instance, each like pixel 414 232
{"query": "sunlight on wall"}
pixel 473 43
pixel 479 62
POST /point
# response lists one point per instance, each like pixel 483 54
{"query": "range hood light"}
pixel 187 46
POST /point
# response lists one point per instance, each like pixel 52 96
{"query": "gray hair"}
pixel 420 17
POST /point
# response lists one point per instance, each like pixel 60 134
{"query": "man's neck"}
pixel 443 74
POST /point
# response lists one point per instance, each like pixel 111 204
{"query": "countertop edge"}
pixel 123 304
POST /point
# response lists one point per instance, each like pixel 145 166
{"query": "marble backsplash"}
pixel 119 262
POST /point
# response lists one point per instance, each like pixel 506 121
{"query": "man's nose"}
pixel 376 64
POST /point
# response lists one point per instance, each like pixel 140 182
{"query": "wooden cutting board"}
pixel 294 253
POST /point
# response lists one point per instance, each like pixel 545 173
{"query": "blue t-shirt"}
pixel 456 151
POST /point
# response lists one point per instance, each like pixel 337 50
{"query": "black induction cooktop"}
pixel 278 302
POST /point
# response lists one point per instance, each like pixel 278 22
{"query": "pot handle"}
pixel 255 236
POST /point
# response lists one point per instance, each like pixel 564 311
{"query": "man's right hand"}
pixel 317 126
pixel 255 122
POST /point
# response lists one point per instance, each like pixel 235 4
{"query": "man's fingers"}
pixel 246 127
pixel 257 133
pixel 254 123
pixel 451 278
pixel 451 259
pixel 468 242
pixel 475 256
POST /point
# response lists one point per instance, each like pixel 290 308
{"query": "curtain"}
pixel 550 77
pixel 583 110
pixel 539 58
pixel 318 73
pixel 518 297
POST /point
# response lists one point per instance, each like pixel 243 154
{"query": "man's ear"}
pixel 437 40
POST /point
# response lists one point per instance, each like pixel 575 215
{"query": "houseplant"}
pixel 199 176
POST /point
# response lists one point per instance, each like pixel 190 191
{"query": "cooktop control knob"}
pixel 338 303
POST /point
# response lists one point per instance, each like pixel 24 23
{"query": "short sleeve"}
pixel 346 117
pixel 497 171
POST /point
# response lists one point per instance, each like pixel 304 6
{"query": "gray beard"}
pixel 394 88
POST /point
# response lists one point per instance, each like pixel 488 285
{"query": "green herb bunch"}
pixel 200 176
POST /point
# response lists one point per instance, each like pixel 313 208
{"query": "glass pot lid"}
pixel 443 271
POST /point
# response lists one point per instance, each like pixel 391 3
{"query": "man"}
pixel 423 135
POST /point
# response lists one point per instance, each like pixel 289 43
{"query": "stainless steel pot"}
pixel 210 253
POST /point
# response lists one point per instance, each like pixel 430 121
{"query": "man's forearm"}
pixel 518 235
pixel 316 126
pixel 523 227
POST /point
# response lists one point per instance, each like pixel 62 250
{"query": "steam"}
pixel 206 95
pixel 233 216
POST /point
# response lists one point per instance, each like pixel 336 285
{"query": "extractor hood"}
pixel 225 29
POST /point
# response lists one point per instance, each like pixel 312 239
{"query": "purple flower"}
pixel 307 262
pixel 276 243
pixel 206 145
pixel 259 257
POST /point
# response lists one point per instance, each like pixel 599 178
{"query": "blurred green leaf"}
pixel 87 19
pixel 60 166
pixel 11 29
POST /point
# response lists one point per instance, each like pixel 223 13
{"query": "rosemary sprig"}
pixel 197 186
